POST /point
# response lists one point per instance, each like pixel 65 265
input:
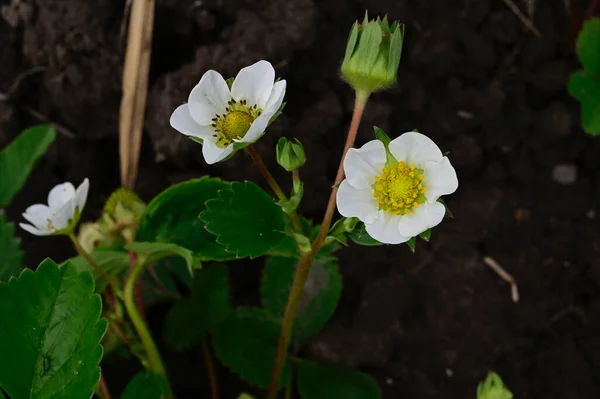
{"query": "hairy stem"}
pixel 210 369
pixel 154 360
pixel 256 158
pixel 111 281
pixel 305 262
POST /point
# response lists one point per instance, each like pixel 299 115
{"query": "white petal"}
pixel 356 203
pixel 60 194
pixel 363 164
pixel 213 154
pixel 385 229
pixel 257 129
pixel 62 216
pixel 212 93
pixel 439 179
pixel 254 83
pixel 81 194
pixel 415 148
pixel 276 97
pixel 38 215
pixel 30 229
pixel 423 217
pixel 182 121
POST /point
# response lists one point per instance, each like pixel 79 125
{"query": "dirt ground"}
pixel 472 77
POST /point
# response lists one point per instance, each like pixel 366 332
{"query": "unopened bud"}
pixel 493 388
pixel 290 154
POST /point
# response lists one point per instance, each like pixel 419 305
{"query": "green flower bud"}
pixel 91 236
pixel 121 215
pixel 493 388
pixel 290 154
pixel 373 55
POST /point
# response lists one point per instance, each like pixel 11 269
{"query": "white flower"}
pixel 396 202
pixel 221 117
pixel 62 212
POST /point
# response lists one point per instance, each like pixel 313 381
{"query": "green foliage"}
pixel 584 85
pixel 360 236
pixel 209 305
pixel 245 396
pixel 588 46
pixel 11 256
pixel 245 220
pixel 324 381
pixel 112 261
pixel 144 385
pixel 320 296
pixel 20 156
pixel 159 250
pixel 493 388
pixel 246 342
pixel 50 330
pixel 172 216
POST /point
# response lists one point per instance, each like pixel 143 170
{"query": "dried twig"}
pixel 495 266
pixel 526 21
pixel 135 88
pixel 13 88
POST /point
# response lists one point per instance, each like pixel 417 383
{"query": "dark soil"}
pixel 472 77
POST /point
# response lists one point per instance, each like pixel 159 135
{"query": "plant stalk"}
pixel 305 262
pixel 154 360
pixel 210 369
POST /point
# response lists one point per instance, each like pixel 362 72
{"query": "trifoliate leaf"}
pixel 360 236
pixel 19 157
pixel 246 342
pixel 144 385
pixel 245 219
pixel 319 298
pixel 590 116
pixel 584 86
pixel 588 46
pixel 172 216
pixel 50 333
pixel 11 256
pixel 159 250
pixel 324 381
pixel 113 262
pixel 209 305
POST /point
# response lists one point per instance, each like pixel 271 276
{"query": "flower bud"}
pixel 121 214
pixel 290 154
pixel 493 388
pixel 373 55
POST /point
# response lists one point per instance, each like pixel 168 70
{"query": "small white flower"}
pixel 221 117
pixel 62 212
pixel 396 202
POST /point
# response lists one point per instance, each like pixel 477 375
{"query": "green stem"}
pixel 306 260
pixel 111 280
pixel 256 158
pixel 154 360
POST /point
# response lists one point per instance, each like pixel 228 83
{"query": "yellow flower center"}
pixel 235 123
pixel 399 190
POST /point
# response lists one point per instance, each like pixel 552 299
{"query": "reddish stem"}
pixel 104 387
pixel 592 9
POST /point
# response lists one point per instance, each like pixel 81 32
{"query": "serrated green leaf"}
pixel 209 305
pixel 144 385
pixel 113 262
pixel 584 86
pixel 426 235
pixel 20 156
pixel 245 219
pixel 588 46
pixel 50 330
pixel 172 216
pixel 360 236
pixel 324 381
pixel 159 250
pixel 11 256
pixel 412 244
pixel 590 116
pixel 246 342
pixel 319 298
